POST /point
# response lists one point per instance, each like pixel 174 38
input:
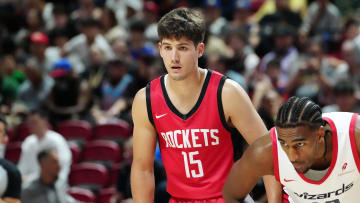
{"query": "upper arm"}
pixel 357 134
pixel 239 110
pixel 144 135
pixel 256 162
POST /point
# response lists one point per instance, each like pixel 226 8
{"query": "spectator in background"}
pixel 44 189
pixel 36 89
pixel 138 44
pixel 39 56
pixel 10 79
pixel 270 22
pixel 42 138
pixel 151 12
pixel 110 29
pixel 285 52
pixel 79 45
pixel 34 23
pixel 346 99
pixel 69 96
pixel 111 99
pixel 322 19
pixel 350 53
pixel 243 60
pixel 221 65
pixel 86 9
pixel 213 18
pixel 10 179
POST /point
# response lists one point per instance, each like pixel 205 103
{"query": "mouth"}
pixel 175 67
pixel 298 166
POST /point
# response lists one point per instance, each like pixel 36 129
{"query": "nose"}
pixel 292 154
pixel 175 56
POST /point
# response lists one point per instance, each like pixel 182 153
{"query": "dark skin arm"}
pixel 357 134
pixel 256 162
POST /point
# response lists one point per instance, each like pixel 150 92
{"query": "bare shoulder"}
pixel 233 95
pixel 260 153
pixel 357 134
pixel 139 108
pixel 231 87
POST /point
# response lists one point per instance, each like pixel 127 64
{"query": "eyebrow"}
pixel 294 140
pixel 181 44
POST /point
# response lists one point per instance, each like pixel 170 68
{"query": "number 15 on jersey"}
pixel 189 160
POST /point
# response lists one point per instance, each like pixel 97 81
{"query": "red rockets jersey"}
pixel 196 148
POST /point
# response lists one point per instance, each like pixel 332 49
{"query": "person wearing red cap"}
pixel 40 58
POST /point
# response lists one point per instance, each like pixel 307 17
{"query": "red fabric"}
pixel 186 150
pixel 353 141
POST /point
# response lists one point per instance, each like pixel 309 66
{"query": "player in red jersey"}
pixel 191 112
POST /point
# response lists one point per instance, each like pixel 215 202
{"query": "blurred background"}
pixel 70 69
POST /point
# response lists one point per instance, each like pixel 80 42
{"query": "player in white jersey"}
pixel 314 156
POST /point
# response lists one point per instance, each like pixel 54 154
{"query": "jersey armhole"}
pixel 220 104
pixel 353 140
pixel 275 154
pixel 148 104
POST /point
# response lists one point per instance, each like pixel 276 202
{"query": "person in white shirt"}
pixel 40 139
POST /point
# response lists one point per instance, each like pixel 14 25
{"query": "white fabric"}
pixel 2 150
pixel 3 180
pixel 78 47
pixel 343 182
pixel 28 164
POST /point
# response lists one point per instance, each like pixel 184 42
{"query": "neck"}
pixel 192 82
pixel 324 160
pixel 46 179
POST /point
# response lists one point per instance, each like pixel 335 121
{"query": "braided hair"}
pixel 299 112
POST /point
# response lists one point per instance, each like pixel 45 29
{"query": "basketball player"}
pixel 314 156
pixel 190 111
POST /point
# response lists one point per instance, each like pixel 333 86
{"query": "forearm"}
pixel 142 185
pixel 273 189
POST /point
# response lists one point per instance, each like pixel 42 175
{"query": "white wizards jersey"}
pixel 341 183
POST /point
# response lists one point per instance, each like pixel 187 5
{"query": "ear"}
pixel 200 49
pixel 320 133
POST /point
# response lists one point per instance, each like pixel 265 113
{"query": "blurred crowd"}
pixel 86 59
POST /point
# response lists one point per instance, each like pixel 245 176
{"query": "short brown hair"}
pixel 182 22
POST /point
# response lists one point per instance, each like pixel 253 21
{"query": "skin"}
pixel 182 53
pixel 50 168
pixel 3 138
pixel 304 147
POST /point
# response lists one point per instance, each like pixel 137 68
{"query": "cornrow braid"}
pixel 299 112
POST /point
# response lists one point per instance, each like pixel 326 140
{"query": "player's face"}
pixel 180 56
pixel 300 145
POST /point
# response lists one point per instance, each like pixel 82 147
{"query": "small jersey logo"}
pixel 159 116
pixel 344 166
pixel 288 180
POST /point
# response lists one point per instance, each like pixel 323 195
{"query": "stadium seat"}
pixel 81 194
pixel 75 130
pixel 11 134
pixel 101 150
pixel 88 174
pixel 105 195
pixel 114 174
pixel 118 130
pixel 75 151
pixel 13 151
